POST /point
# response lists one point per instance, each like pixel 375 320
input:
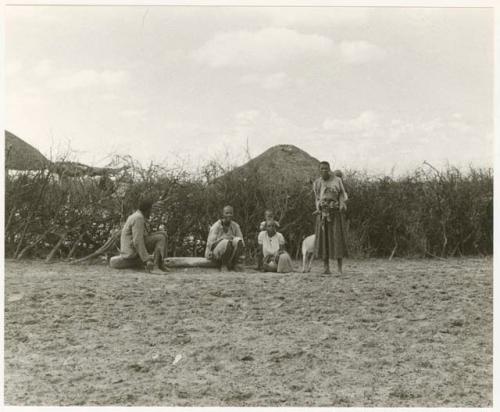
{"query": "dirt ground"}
pixel 386 333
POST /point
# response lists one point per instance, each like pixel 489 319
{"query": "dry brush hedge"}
pixel 425 213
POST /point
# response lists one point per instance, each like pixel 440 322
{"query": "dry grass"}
pixel 399 333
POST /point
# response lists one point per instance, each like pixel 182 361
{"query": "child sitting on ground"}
pixel 268 217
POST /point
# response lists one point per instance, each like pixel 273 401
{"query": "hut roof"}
pixel 284 163
pixel 20 155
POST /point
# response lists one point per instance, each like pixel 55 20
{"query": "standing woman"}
pixel 330 231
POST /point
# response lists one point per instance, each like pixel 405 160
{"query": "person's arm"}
pixel 138 239
pixel 260 257
pixel 212 238
pixel 343 197
pixel 281 240
pixel 316 190
pixel 260 251
pixel 239 233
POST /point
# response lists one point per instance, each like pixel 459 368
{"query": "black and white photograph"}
pixel 238 204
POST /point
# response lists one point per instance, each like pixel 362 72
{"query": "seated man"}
pixel 272 244
pixel 136 242
pixel 225 241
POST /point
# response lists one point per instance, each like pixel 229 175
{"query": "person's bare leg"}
pixel 227 257
pixel 159 261
pixel 326 267
pixel 237 246
pixel 326 259
pixel 160 252
pixel 259 259
pixel 157 243
pixel 165 246
pixel 339 265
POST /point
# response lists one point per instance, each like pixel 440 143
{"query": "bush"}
pixel 424 213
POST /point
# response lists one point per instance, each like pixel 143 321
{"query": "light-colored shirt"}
pixel 218 233
pixel 270 244
pixel 334 183
pixel 132 243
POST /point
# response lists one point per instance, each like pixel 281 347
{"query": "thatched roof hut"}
pixel 20 155
pixel 284 163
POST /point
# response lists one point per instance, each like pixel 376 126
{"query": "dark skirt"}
pixel 331 236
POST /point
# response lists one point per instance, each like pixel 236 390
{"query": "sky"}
pixel 377 89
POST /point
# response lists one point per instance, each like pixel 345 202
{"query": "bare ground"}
pixel 399 333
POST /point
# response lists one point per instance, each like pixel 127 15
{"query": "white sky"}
pixel 364 88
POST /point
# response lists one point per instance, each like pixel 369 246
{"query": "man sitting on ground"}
pixel 225 241
pixel 272 244
pixel 136 242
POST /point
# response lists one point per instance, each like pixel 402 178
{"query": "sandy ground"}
pixel 399 333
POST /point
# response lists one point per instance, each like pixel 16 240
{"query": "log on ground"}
pixel 189 262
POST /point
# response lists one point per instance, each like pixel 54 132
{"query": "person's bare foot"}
pixel 326 269
pixel 161 265
pixel 163 268
pixel 235 256
pixel 149 266
pixel 158 260
pixel 238 267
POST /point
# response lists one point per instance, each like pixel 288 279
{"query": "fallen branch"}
pixel 33 244
pixel 49 258
pixel 111 243
pixel 393 251
pixel 75 245
pixel 9 220
pixel 434 256
pixel 461 242
pixel 22 237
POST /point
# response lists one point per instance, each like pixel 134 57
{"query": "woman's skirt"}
pixel 280 264
pixel 331 236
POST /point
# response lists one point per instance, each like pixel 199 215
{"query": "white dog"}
pixel 307 253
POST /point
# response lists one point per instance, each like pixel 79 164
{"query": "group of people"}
pixel 225 244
